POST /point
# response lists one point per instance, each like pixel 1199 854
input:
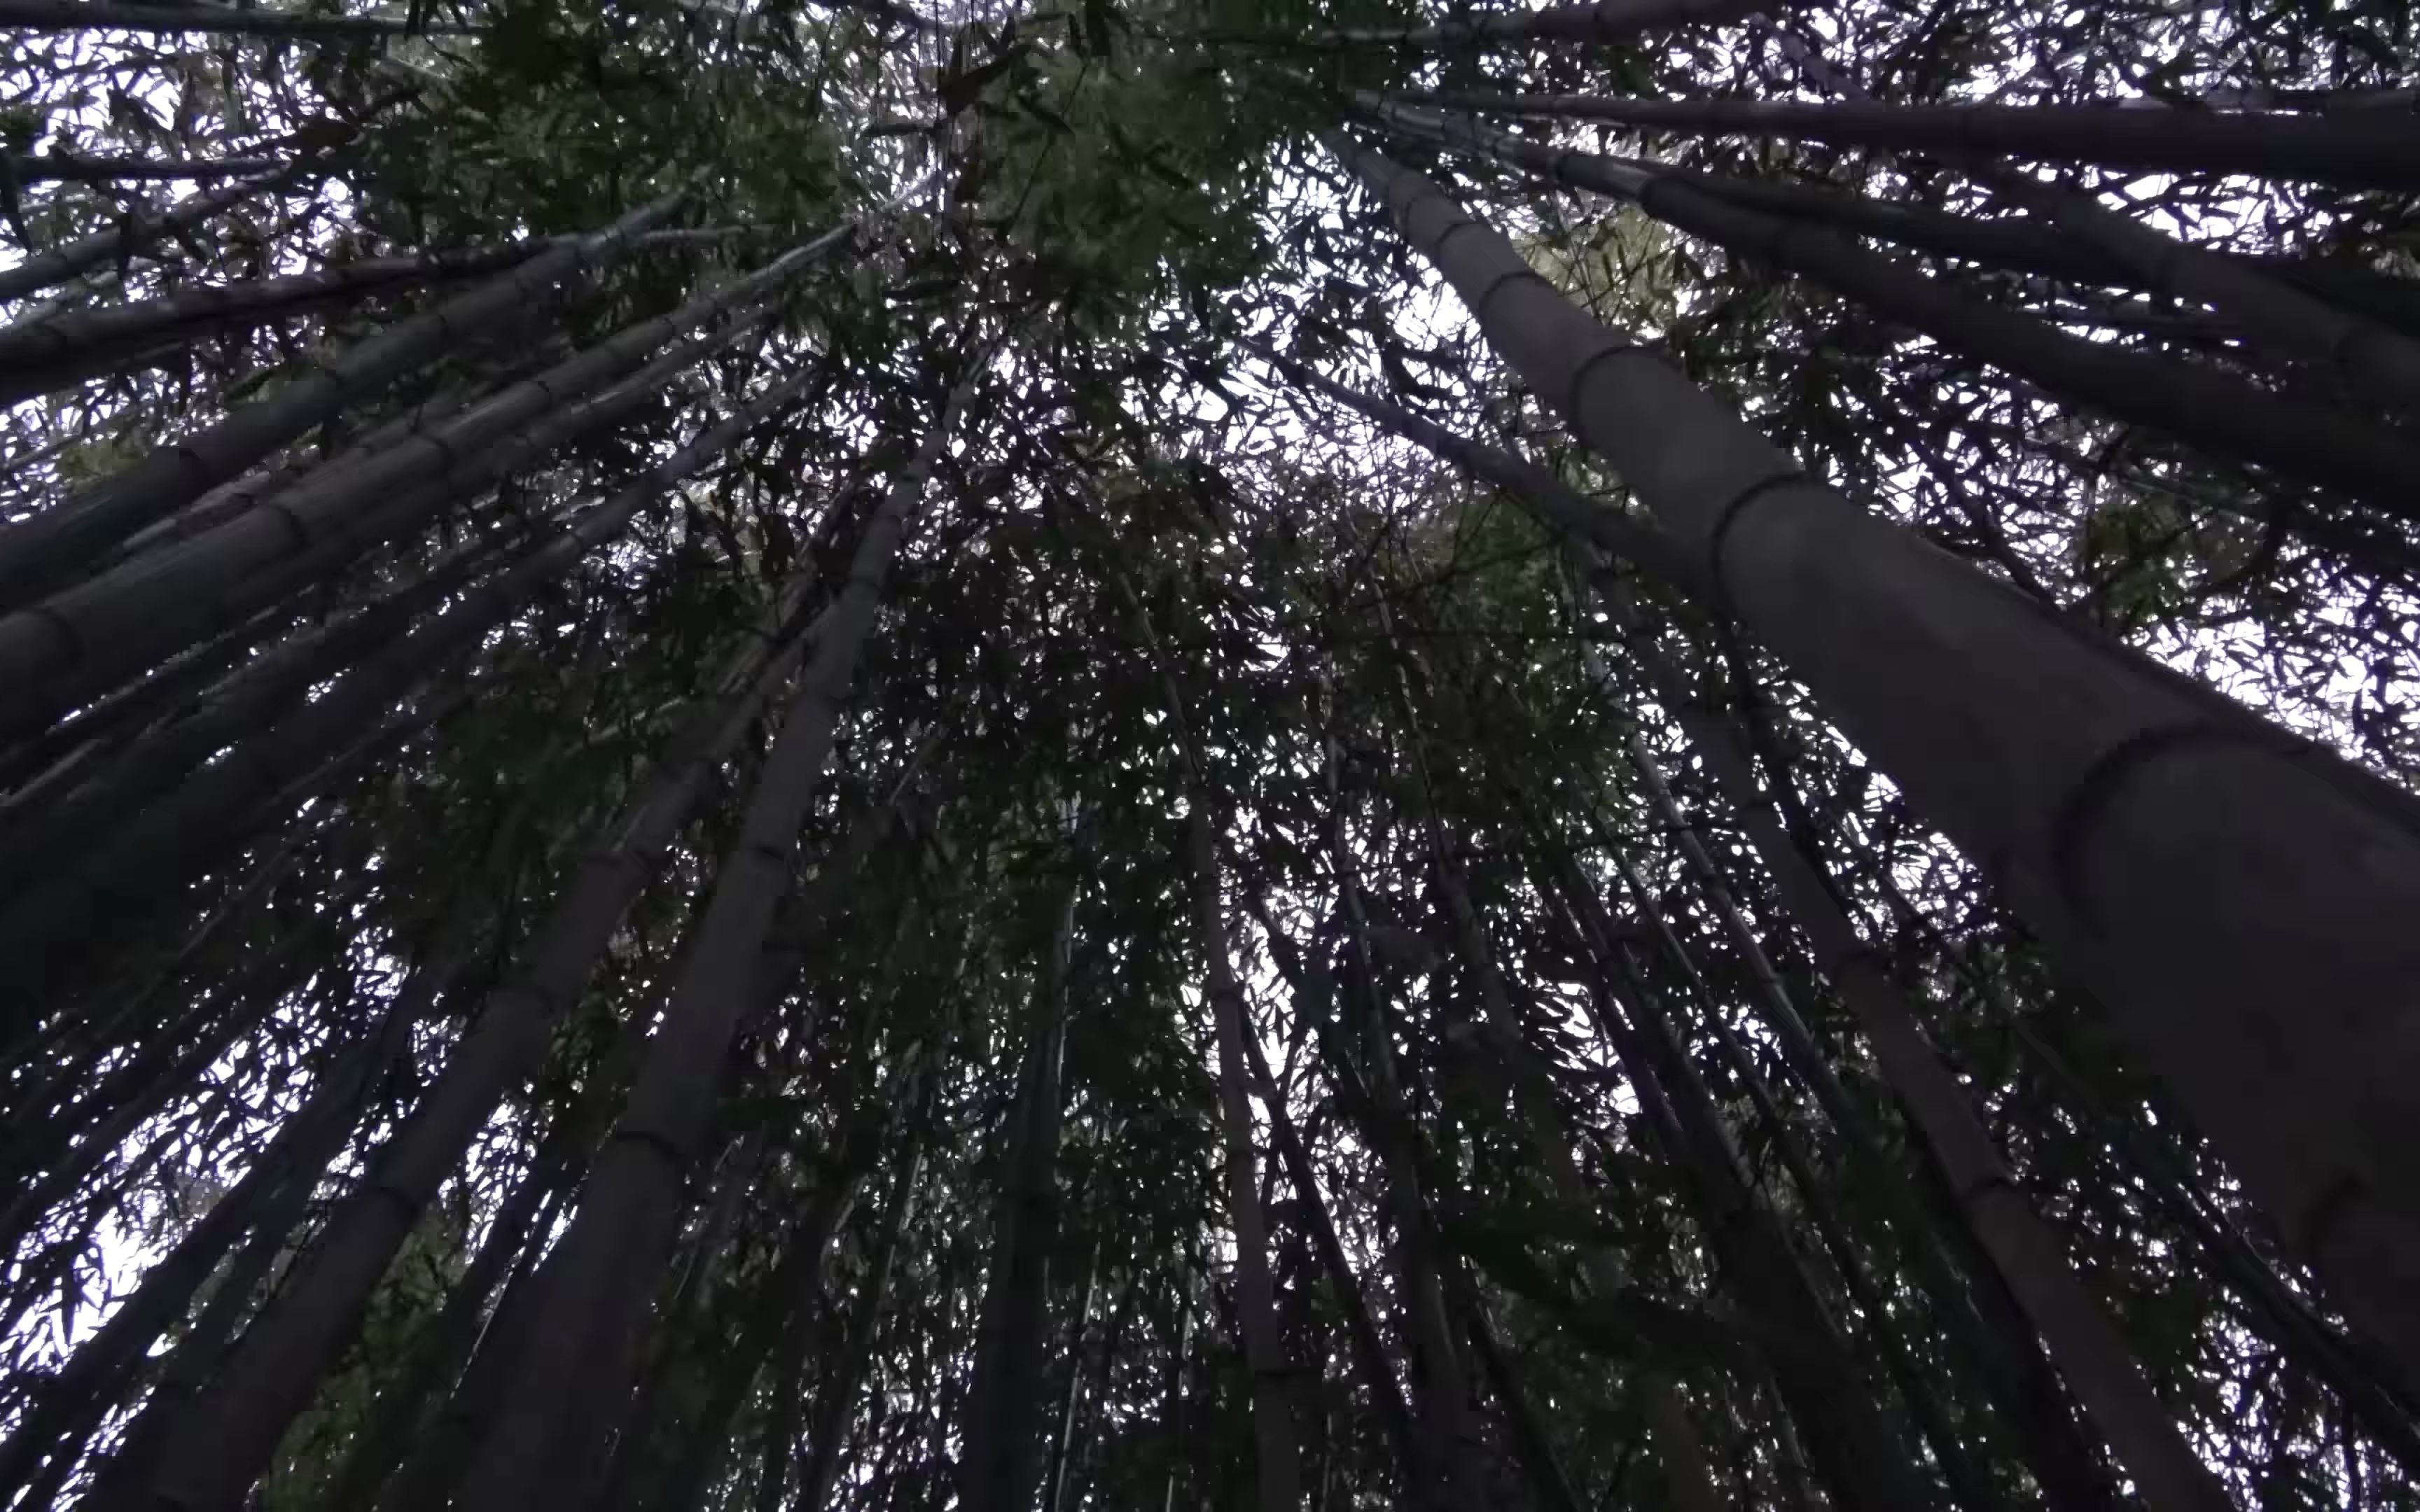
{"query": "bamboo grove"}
pixel 1136 755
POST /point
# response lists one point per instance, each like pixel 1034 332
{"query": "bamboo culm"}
pixel 439 1352
pixel 167 843
pixel 2211 409
pixel 226 1436
pixel 223 609
pixel 2355 150
pixel 1277 1460
pixel 1441 1391
pixel 1857 1456
pixel 79 641
pixel 39 357
pixel 835 1401
pixel 103 15
pixel 1607 21
pixel 1677 1442
pixel 480 1372
pixel 1369 1351
pixel 2369 359
pixel 2000 1361
pixel 138 231
pixel 41 353
pixel 596 1287
pixel 2161 841
pixel 999 1468
pixel 40 555
pixel 135 775
pixel 290 1171
pixel 2083 1340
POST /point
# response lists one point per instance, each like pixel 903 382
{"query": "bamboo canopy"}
pixel 1159 756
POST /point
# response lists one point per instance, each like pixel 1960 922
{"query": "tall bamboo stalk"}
pixel 2160 840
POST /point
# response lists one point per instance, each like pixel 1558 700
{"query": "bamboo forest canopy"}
pixel 1165 755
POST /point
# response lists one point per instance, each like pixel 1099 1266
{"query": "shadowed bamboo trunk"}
pixel 676 1471
pixel 2316 1345
pixel 1541 1115
pixel 173 840
pixel 1608 21
pixel 1441 1394
pixel 2232 893
pixel 2209 408
pixel 1000 1462
pixel 2092 1355
pixel 2354 149
pixel 1855 1454
pixel 837 1398
pixel 793 1303
pixel 129 237
pixel 595 1290
pixel 2369 359
pixel 221 1442
pixel 42 553
pixel 218 505
pixel 1171 1415
pixel 1369 1351
pixel 676 1457
pixel 293 1166
pixel 2025 246
pixel 1967 1483
pixel 228 608
pixel 82 640
pixel 97 15
pixel 1278 1462
pixel 444 1346
pixel 682 1313
pixel 2063 1463
pixel 38 357
pixel 265 1201
pixel 2057 1461
pixel 1550 1484
pixel 1062 1425
pixel 67 1144
pixel 121 783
